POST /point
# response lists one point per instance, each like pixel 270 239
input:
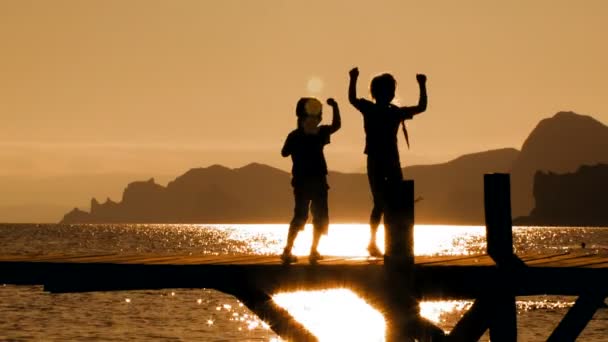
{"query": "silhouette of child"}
pixel 309 172
pixel 381 120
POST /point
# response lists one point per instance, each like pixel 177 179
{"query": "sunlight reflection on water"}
pixel 340 314
pixel 352 239
pixel 329 314
pixel 334 315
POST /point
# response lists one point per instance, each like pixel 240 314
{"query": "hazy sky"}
pixel 161 86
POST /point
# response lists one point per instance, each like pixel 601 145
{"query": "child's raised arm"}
pixel 422 101
pixel 352 87
pixel 336 122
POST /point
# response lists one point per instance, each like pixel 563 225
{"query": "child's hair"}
pixel 308 106
pixel 383 86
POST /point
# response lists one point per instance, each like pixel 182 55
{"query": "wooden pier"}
pixel 394 285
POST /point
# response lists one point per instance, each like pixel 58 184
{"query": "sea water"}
pixel 29 314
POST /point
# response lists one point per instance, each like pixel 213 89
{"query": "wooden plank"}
pixel 484 260
pixel 532 260
pixel 579 263
pixel 53 257
pixel 434 281
pixel 563 261
pixel 100 259
pixel 28 257
pixel 226 260
pixel 539 256
pixel 451 258
pixel 344 261
pixel 121 259
pixel 552 260
pixel 582 261
pixel 217 261
pixel 233 260
pixel 264 260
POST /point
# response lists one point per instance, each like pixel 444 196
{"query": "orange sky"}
pixel 157 87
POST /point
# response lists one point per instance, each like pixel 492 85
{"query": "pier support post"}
pixel 499 232
pixel 499 235
pixel 402 307
pixel 399 224
pixel 473 323
pixel 403 312
pixel 577 317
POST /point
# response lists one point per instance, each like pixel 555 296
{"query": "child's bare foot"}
pixel 314 257
pixel 288 258
pixel 373 250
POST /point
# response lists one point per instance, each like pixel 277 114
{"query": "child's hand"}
pixel 421 78
pixel 354 72
pixel 332 102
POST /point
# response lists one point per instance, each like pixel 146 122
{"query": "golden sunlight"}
pixel 341 315
pixel 436 311
pixel 351 240
pixel 314 85
pixel 334 315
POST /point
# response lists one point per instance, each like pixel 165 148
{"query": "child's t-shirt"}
pixel 381 124
pixel 306 152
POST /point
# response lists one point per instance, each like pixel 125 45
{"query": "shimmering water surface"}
pixel 27 313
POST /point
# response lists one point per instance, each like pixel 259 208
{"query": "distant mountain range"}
pixel 452 192
pixel 559 144
pixel 571 199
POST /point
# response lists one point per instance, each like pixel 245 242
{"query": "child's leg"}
pixel 320 216
pixel 393 172
pixel 316 237
pixel 300 215
pixel 374 221
pixel 376 185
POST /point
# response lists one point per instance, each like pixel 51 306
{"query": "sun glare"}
pixel 334 315
pixel 434 311
pixel 351 240
pixel 341 315
pixel 314 85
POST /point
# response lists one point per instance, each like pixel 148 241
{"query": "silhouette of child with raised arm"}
pixel 381 120
pixel 309 172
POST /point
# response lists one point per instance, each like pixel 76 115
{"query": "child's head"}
pixel 308 106
pixel 309 112
pixel 383 88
